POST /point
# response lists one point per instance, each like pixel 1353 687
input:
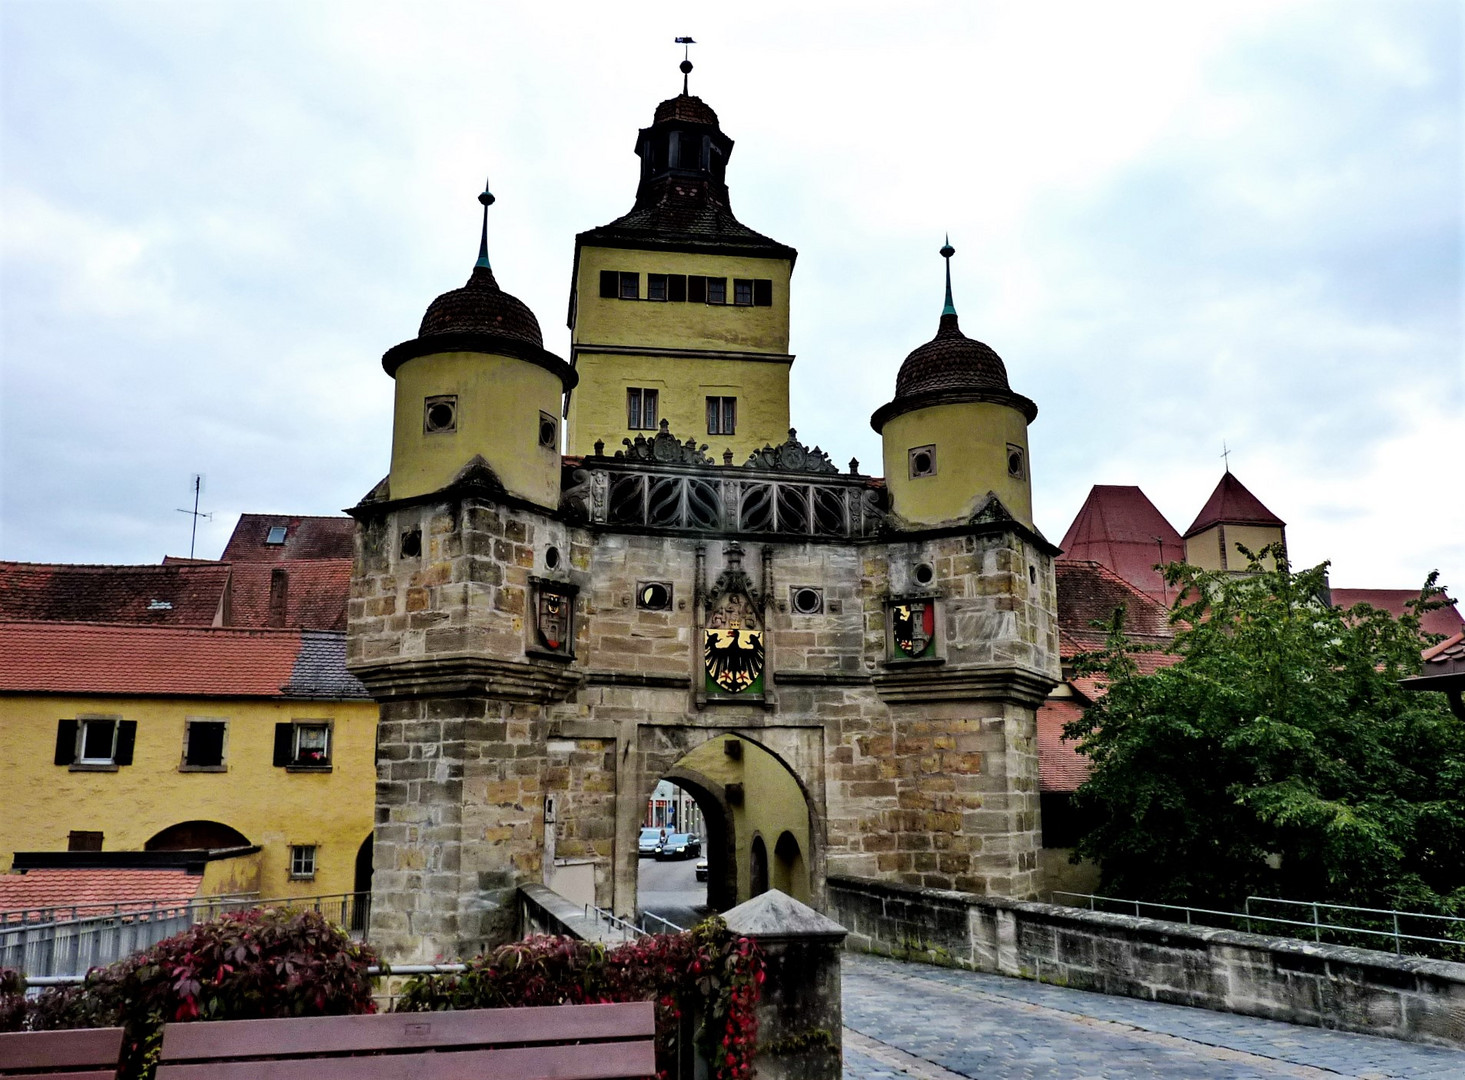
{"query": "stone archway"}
pixel 195 836
pixel 745 791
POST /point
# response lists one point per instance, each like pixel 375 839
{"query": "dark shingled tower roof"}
pixel 950 368
pixel 1232 504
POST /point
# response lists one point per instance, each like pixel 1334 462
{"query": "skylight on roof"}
pixel 276 535
pixel 160 605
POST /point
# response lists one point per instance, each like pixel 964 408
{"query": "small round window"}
pixel 807 600
pixel 1014 462
pixel 412 543
pixel 924 574
pixel 552 558
pixel 440 414
pixel 653 596
pixel 922 461
pixel 548 431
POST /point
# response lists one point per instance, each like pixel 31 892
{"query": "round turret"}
pixel 955 431
pixel 476 385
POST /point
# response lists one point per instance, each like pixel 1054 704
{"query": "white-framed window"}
pixel 642 407
pixel 303 744
pixel 97 742
pixel 302 861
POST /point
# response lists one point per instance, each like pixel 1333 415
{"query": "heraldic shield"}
pixel 913 629
pixel 553 620
pixel 733 648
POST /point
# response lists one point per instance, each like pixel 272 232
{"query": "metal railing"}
pixel 648 920
pixel 1337 924
pixel 70 940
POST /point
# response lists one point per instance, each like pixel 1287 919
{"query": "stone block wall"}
pixel 1276 978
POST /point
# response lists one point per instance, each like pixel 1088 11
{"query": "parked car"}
pixel 702 868
pixel 650 841
pixel 680 846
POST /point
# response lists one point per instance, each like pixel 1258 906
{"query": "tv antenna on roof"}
pixel 197 491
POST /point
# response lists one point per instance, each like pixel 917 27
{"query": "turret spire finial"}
pixel 947 251
pixel 686 64
pixel 486 198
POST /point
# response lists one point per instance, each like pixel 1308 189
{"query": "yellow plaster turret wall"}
pixel 271 806
pixel 773 803
pixel 1216 548
pixel 500 403
pixel 686 351
pixel 971 440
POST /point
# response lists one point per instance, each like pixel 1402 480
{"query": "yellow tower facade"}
pixel 678 311
pixel 955 434
pixel 1232 519
pixel 476 389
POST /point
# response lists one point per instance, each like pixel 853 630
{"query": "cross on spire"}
pixel 486 198
pixel 947 251
pixel 1226 455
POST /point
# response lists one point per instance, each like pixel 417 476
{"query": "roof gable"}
pixel 1232 504
pixel 174 594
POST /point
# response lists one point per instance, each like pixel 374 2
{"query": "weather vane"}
pixel 686 43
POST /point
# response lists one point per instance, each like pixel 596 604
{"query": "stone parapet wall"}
pixel 1276 978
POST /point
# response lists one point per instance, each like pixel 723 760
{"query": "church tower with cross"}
pixel 842 670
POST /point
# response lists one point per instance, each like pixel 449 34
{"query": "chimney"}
pixel 279 593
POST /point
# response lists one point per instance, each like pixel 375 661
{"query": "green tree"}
pixel 1278 756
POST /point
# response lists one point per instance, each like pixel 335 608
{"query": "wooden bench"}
pixel 86 1054
pixel 563 1042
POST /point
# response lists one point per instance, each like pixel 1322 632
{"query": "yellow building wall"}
pixel 271 806
pixel 971 440
pixel 772 803
pixel 598 404
pixel 500 399
pixel 1204 549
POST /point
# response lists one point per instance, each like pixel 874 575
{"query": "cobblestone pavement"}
pixel 915 1021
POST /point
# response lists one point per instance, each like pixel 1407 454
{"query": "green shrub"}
pixel 705 976
pixel 248 966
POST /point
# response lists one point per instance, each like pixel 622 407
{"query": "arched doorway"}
pixel 745 793
pixel 196 836
pixel 361 886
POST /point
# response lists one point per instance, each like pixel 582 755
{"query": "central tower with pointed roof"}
pixel 679 311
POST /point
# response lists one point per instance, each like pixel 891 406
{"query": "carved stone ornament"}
pixel 733 647
pixel 791 456
pixel 554 610
pixel 664 449
pixel 991 511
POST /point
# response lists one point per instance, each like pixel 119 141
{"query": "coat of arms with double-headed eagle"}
pixel 732 646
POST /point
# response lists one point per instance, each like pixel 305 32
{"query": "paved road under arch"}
pixel 912 1020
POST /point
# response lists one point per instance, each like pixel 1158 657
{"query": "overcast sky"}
pixel 1180 224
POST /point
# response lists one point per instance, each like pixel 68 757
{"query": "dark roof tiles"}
pixel 481 307
pixel 1089 592
pixel 175 594
pixel 950 361
pixel 306 537
pixel 316 591
pixel 1232 504
pixel 687 108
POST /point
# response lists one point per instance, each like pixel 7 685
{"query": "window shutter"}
pixel 697 289
pixel 676 287
pixel 126 736
pixel 762 292
pixel 284 744
pixel 66 742
pixel 610 284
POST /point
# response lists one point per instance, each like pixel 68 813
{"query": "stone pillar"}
pixel 800 1014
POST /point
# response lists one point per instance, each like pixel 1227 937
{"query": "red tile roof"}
pixel 1232 504
pixel 1120 528
pixel 316 591
pixel 175 594
pixel 1090 592
pixel 92 658
pixel 99 888
pixel 305 538
pixel 1445 620
pixel 1060 766
pixel 1093 687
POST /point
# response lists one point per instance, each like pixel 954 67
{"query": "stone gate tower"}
pixel 843 670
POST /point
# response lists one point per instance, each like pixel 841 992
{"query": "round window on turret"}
pixel 1015 466
pixel 922 461
pixel 440 414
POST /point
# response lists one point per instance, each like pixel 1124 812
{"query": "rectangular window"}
pixel 203 744
pixel 276 534
pixel 303 744
pixel 762 292
pixel 610 284
pixel 655 286
pixel 743 292
pixel 696 289
pixel 722 415
pixel 641 408
pixel 630 285
pixel 83 840
pixel 717 290
pixel 302 861
pixel 676 288
pixel 95 742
